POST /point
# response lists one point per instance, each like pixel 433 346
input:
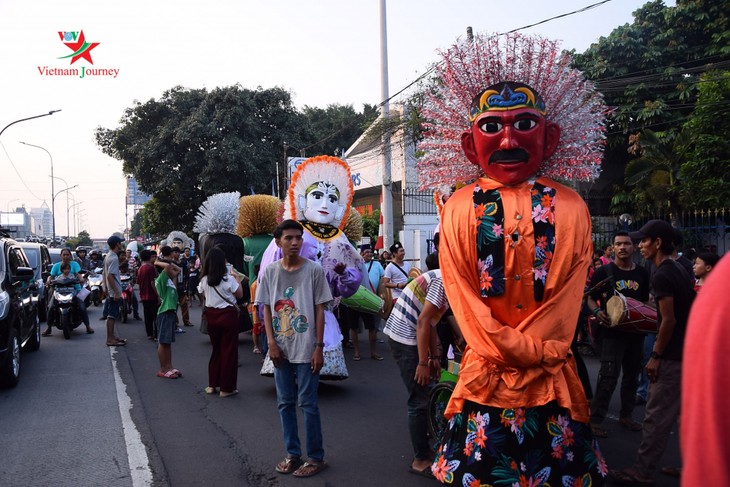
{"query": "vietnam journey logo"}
pixel 80 49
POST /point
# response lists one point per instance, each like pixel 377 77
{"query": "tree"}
pixel 705 174
pixel 371 225
pixel 649 72
pixel 83 238
pixel 655 175
pixel 192 143
pixel 336 127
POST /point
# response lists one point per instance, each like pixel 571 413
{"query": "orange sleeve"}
pixel 518 352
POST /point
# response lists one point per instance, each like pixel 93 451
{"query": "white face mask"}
pixel 322 204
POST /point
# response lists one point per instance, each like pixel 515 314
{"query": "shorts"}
pixel 166 327
pixel 111 308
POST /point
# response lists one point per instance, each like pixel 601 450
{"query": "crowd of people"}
pixel 513 287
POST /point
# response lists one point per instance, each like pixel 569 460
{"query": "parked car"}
pixel 19 325
pixel 40 260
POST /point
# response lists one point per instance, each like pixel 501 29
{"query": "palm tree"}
pixel 654 177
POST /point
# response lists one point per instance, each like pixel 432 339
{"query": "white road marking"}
pixel 139 465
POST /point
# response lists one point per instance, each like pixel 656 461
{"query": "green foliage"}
pixel 370 225
pixel 705 174
pixel 652 73
pixel 655 175
pixel 192 143
pixel 336 127
pixel 82 238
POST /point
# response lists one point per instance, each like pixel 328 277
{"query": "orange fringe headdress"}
pixel 327 169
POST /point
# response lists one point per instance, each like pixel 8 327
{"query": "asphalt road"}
pixel 85 415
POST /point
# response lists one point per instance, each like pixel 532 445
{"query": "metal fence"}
pixel 701 229
pixel 417 202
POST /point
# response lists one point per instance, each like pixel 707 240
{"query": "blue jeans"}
pixel 406 356
pixel 292 381
pixel 643 390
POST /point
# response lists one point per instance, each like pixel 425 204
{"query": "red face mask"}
pixel 510 145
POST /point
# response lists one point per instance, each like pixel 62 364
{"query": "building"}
pixel 43 221
pixel 19 223
pixel 414 211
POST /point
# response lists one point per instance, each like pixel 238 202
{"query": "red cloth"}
pixel 146 276
pixel 705 424
pixel 223 333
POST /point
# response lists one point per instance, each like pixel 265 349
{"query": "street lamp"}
pixel 29 118
pixel 75 215
pixel 53 198
pixel 54 216
pixel 11 202
pixel 68 227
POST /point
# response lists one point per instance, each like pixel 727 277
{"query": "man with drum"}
pixel 674 295
pixel 620 348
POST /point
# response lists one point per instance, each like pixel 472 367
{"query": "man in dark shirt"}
pixel 674 294
pixel 619 348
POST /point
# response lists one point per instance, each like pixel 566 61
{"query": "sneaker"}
pixel 179 330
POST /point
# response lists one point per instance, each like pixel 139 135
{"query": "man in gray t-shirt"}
pixel 293 292
pixel 291 297
pixel 113 288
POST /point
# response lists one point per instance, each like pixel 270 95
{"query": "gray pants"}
pixel 662 411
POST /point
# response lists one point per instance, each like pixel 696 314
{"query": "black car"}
pixel 19 326
pixel 40 261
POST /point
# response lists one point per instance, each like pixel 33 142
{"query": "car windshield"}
pixel 32 255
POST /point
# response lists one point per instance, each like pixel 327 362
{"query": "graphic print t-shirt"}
pixel 292 296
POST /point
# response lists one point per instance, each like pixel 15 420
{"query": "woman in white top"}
pixel 396 274
pixel 221 287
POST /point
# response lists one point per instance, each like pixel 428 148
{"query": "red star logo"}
pixel 80 48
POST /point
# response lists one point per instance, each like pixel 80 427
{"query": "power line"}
pixel 16 172
pixel 433 68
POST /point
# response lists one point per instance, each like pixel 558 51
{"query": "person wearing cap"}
pixel 396 273
pixel 674 295
pixel 113 288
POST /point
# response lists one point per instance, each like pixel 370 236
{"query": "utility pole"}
pixel 387 189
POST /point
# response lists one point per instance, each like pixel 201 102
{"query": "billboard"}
pixel 12 219
pixel 134 195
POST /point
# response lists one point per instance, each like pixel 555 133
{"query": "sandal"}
pixel 310 468
pixel 228 394
pixel 210 390
pixel 629 477
pixel 176 372
pixel 118 343
pixel 256 350
pixel 167 375
pixel 47 333
pixel 375 356
pixel 356 357
pixel 288 465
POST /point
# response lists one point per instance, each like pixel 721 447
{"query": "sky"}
pixel 323 51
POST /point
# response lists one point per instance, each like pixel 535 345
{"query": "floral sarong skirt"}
pixel 490 446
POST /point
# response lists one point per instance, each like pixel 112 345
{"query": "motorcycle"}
pixel 127 291
pixel 93 283
pixel 65 312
